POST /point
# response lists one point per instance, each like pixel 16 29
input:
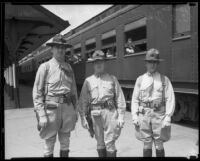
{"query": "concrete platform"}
pixel 22 139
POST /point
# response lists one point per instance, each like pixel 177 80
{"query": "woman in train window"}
pixel 129 47
pixel 152 106
pixel 102 96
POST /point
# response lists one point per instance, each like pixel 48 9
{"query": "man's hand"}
pixel 136 122
pixel 84 123
pixel 120 123
pixel 43 121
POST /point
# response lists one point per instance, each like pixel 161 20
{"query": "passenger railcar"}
pixel 172 29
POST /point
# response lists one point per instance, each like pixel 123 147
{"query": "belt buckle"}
pixel 61 99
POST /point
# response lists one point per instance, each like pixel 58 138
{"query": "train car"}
pixel 29 65
pixel 26 71
pixel 172 29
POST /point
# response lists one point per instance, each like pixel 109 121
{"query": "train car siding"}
pixel 150 26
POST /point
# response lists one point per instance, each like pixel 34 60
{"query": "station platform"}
pixel 22 138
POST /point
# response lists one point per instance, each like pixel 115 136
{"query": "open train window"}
pixel 67 55
pixel 90 46
pixel 108 42
pixel 135 37
pixel 77 53
pixel 181 20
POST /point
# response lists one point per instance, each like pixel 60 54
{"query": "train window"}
pixel 109 43
pixel 67 54
pixel 135 37
pixel 181 20
pixel 78 50
pixel 90 46
pixel 77 53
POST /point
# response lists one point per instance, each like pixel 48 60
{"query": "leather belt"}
pixel 59 99
pixel 147 104
pixel 109 104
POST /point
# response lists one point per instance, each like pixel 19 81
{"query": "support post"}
pixel 11 83
pixel 16 85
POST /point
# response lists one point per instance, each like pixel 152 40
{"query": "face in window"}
pixel 151 66
pixel 130 41
pixel 99 66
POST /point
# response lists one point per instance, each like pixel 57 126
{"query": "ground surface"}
pixel 22 139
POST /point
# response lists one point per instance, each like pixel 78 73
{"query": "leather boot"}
pixel 147 152
pixel 111 153
pixel 48 156
pixel 64 153
pixel 101 152
pixel 160 153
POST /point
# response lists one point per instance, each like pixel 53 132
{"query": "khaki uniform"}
pixel 149 88
pixel 61 120
pixel 96 90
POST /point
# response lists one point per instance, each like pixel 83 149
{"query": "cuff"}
pixel 167 118
pixel 134 117
pixel 121 114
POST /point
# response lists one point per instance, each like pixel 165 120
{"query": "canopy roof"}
pixel 26 28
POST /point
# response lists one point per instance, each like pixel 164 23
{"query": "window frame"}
pixel 137 42
pixel 184 34
pixel 110 45
pixel 90 50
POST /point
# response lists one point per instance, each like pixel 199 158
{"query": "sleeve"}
pixel 84 99
pixel 135 99
pixel 169 98
pixel 38 90
pixel 119 99
pixel 74 89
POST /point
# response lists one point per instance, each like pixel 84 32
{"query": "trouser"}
pixel 61 120
pixel 150 128
pixel 50 143
pixel 106 129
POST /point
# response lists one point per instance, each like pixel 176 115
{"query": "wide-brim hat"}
pixel 153 55
pixel 98 55
pixel 58 40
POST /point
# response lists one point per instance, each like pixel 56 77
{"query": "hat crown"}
pixel 59 38
pixel 152 55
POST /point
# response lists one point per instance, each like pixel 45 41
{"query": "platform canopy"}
pixel 26 28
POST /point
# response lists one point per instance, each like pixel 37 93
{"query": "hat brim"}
pixel 98 59
pixel 59 44
pixel 156 60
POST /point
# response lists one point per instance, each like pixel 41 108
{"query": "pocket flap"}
pixel 95 112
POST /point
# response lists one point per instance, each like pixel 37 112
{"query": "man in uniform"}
pixel 55 99
pixel 102 93
pixel 152 106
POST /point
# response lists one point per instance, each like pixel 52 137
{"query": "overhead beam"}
pixel 27 42
pixel 22 47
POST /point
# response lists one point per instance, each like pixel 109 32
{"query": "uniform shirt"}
pixel 98 89
pixel 58 82
pixel 148 87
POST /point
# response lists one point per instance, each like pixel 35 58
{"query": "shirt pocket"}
pixel 94 91
pixel 107 88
